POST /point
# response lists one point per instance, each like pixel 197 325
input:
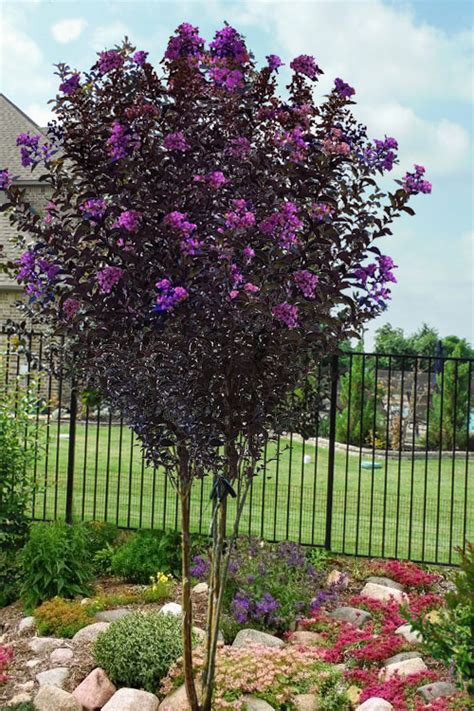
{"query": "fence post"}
pixel 71 452
pixel 334 374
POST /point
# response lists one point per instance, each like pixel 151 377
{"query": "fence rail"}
pixel 378 461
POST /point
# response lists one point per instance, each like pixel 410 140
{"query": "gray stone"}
pixel 26 624
pixel 248 638
pixel 50 698
pixel 402 669
pixel 375 703
pixel 306 638
pixel 32 663
pixel 436 689
pixel 388 582
pixel 53 677
pixel 26 686
pixel 381 592
pixel 61 656
pixel 172 608
pixel 112 615
pixel 131 700
pixel 401 657
pixel 353 615
pixel 306 702
pixel 91 632
pixel 94 691
pixel 22 698
pixel 201 588
pixel 254 704
pixel 44 645
pixel 409 634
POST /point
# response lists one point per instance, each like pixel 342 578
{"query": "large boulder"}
pixel 91 632
pixel 112 615
pixel 132 700
pixel 352 615
pixel 306 702
pixel 53 677
pixel 94 691
pixel 61 656
pixel 409 634
pixel 435 690
pixel 254 704
pixel 375 703
pixel 178 701
pixel 306 638
pixel 44 645
pixel 374 591
pixel 404 668
pixel 50 698
pixel 249 638
pixel 387 582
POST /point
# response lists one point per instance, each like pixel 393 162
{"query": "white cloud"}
pixel 66 31
pixel 39 113
pixel 110 35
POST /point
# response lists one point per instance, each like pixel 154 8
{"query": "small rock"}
pixel 307 639
pixel 353 615
pixel 22 698
pixel 375 703
pixel 50 698
pixel 44 645
pixel 306 702
pixel 26 686
pixel 85 600
pixel 112 615
pixel 53 677
pixel 32 663
pixel 380 592
pixel 401 657
pixel 388 582
pixel 91 632
pixel 201 588
pixel 94 691
pixel 177 701
pixel 433 691
pixel 26 624
pixel 403 669
pixel 131 700
pixel 408 633
pixel 247 638
pixel 353 694
pixel 172 608
pixel 61 656
pixel 335 577
pixel 254 704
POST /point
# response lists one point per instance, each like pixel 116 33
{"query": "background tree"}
pixel 206 243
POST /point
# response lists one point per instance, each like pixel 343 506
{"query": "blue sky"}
pixel 410 62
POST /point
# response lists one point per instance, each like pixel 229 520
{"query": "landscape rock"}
pixel 201 588
pixel 53 677
pixel 44 645
pixel 26 686
pixel 353 615
pixel 306 702
pixel 307 639
pixel 375 703
pixel 408 633
pixel 32 663
pixel 177 701
pixel 132 700
pixel 26 624
pixel 94 691
pixel 91 632
pixel 22 698
pixel 172 608
pixel 403 669
pixel 112 615
pixel 247 638
pixel 50 698
pixel 254 704
pixel 401 657
pixel 436 689
pixel 85 600
pixel 335 577
pixel 61 656
pixel 381 592
pixel 388 582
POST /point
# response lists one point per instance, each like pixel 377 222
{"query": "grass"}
pixel 419 510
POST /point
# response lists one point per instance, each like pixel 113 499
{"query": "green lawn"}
pixel 420 511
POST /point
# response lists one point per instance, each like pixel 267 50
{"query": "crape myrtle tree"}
pixel 206 242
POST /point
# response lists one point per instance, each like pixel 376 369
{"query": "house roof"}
pixel 12 122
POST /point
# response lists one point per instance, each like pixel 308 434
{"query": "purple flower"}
pixel 321 211
pixel 251 289
pixel 186 43
pixel 344 89
pixel 241 605
pixel 229 79
pixel 240 147
pixel 248 253
pixel 413 183
pixel 305 64
pixel 274 62
pixel 266 606
pixel 71 307
pixel 240 218
pixel 283 225
pixel 306 282
pixel 373 278
pixel 175 142
pixel 381 155
pixel 107 278
pixel 200 567
pixel 69 86
pixel 5 179
pixel 287 314
pixel 129 220
pixel 294 142
pixel 94 209
pixel 178 221
pixel 168 296
pixel 228 44
pixel 140 57
pixel 216 179
pixel 31 152
pixel 121 143
pixel 111 59
pixel 236 275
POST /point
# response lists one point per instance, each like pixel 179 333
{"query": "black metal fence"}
pixel 378 463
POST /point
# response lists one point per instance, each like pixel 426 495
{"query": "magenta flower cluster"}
pixel 229 79
pixel 306 282
pixel 168 296
pixel 140 57
pixel 215 179
pixel 306 64
pixel 107 278
pixel 414 183
pixel 228 44
pixel 294 142
pixel 129 220
pixel 283 225
pixel 240 217
pixel 321 211
pixel 274 62
pixel 374 279
pixel 5 179
pixel 343 89
pixel 37 273
pixel 69 86
pixel 175 142
pixel 381 155
pixel 94 209
pixel 109 60
pixel 71 307
pixel 178 221
pixel 239 147
pixel 335 143
pixel 287 314
pixel 32 152
pixel 186 43
pixel 121 143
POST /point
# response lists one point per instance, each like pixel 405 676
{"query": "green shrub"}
pixel 138 650
pixel 62 618
pixel 10 576
pixel 100 535
pixel 144 553
pixel 102 560
pixel 19 707
pixel 56 562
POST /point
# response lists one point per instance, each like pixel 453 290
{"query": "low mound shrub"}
pixel 138 650
pixel 62 618
pixel 144 553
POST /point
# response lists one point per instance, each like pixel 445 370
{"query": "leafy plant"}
pixel 27 706
pixel 144 553
pixel 159 588
pixel 102 561
pixel 138 650
pixel 99 535
pixel 56 562
pixel 62 618
pixel 360 399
